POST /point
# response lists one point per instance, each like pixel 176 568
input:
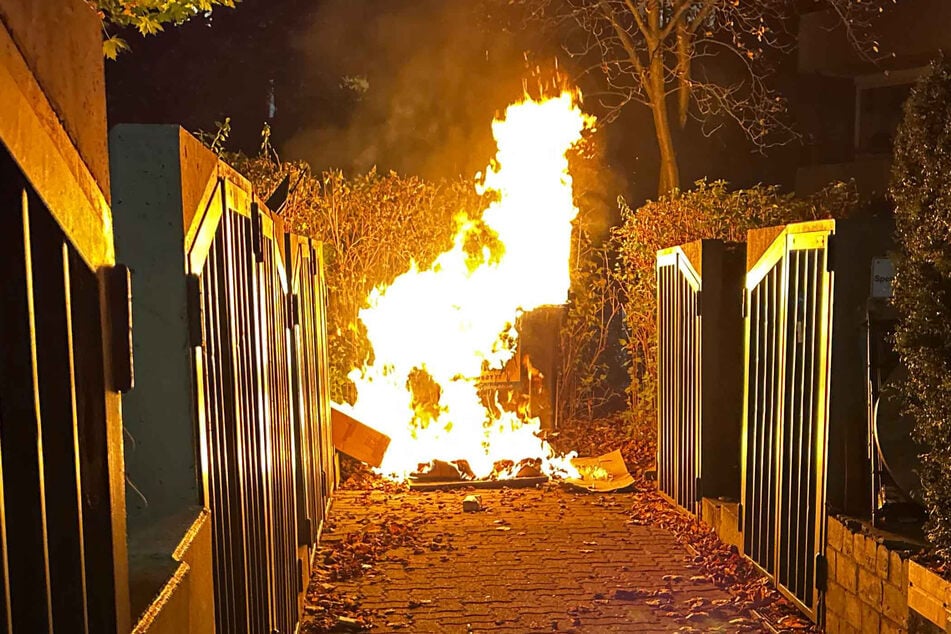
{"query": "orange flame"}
pixel 433 332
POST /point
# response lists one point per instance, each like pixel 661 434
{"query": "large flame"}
pixel 434 332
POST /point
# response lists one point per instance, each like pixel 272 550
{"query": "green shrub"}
pixel 591 378
pixel 921 190
pixel 709 211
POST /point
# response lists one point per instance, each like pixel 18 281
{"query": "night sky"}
pixel 409 85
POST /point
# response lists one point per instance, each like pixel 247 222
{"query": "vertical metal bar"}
pixel 323 376
pixel 698 396
pixel 230 555
pixel 817 270
pixel 749 446
pixel 60 441
pixel 690 395
pixel 94 446
pixel 686 485
pixel 683 420
pixel 825 298
pixel 21 435
pixel 780 365
pixel 662 433
pixel 662 382
pixel 671 379
pixel 807 581
pixel 246 300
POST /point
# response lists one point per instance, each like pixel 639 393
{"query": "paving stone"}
pixel 531 560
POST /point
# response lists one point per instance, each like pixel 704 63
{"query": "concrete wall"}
pixel 61 41
pixel 159 414
pixel 723 517
pixel 186 602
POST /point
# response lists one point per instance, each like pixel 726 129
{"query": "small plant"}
pixel 217 141
pixel 921 190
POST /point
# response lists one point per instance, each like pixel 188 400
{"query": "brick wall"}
pixel 868 582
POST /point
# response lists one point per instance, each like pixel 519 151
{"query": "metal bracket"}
pixel 120 316
pixel 196 334
pixel 822 573
pixel 257 233
pixel 305 533
pixel 293 309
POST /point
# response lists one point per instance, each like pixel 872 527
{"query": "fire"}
pixel 433 332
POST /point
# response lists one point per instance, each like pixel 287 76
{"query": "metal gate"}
pixel 315 454
pixel 57 423
pixel 678 378
pixel 700 370
pixel 788 326
pixel 251 419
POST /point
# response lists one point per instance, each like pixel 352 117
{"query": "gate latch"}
pixel 822 573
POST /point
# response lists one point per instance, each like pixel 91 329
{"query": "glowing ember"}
pixel 433 332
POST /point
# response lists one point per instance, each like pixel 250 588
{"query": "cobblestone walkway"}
pixel 534 560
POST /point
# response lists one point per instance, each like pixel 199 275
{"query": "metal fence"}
pixel 315 455
pixel 805 434
pixel 788 325
pixel 678 372
pixel 699 331
pixel 262 370
pixel 57 536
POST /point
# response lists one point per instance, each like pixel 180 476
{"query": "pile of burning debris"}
pixel 458 474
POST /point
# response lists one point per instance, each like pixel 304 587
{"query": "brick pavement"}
pixel 534 560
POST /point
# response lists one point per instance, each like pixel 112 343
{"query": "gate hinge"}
pixel 120 317
pixel 739 517
pixel 293 308
pixel 822 573
pixel 305 533
pixel 257 233
pixel 830 253
pixel 196 335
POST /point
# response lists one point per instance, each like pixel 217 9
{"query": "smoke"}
pixel 405 85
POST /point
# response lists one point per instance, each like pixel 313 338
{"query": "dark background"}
pixel 435 72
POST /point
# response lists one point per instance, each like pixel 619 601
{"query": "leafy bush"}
pixel 591 378
pixel 710 211
pixel 921 190
pixel 591 358
pixel 373 226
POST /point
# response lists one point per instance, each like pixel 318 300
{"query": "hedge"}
pixel 921 191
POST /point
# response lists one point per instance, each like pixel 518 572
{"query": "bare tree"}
pixel 660 53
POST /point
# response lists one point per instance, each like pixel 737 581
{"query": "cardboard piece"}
pixel 602 474
pixel 356 439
